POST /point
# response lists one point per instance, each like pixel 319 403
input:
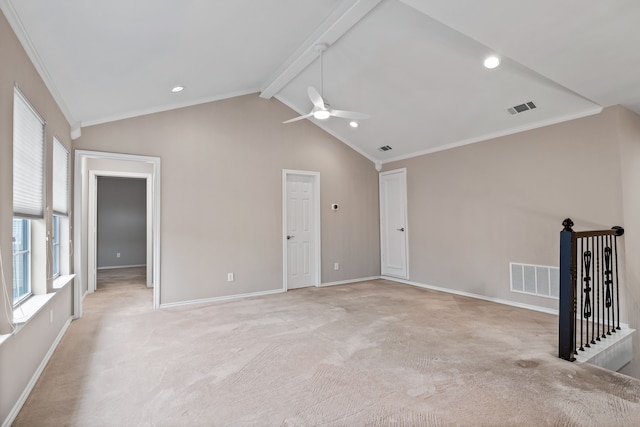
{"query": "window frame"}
pixel 55 246
pixel 26 224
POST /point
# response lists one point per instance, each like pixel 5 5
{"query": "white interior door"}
pixel 301 231
pixel 393 223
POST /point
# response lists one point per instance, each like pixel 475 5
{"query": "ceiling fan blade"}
pixel 315 97
pixel 295 119
pixel 349 115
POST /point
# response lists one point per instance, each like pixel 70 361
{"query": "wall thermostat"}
pixel 335 207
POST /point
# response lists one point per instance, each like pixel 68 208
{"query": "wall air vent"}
pixel 516 109
pixel 385 148
pixel 540 280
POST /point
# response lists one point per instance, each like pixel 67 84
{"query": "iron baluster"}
pixel 602 293
pixel 596 284
pixel 619 231
pixel 607 282
pixel 587 288
pixel 582 301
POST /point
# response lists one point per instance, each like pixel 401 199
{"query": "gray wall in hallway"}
pixel 121 222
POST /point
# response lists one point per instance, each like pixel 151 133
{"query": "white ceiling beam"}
pixel 347 15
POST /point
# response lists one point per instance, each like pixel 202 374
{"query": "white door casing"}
pixel 394 244
pixel 301 227
pixel 92 220
pixel 82 157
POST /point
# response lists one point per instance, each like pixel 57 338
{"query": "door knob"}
pixel 401 229
pixel 290 237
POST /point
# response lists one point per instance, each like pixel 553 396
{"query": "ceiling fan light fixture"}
pixel 321 114
pixel 353 124
pixel 177 89
pixel 492 62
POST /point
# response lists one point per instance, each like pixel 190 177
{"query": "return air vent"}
pixel 516 109
pixel 536 280
pixel 385 148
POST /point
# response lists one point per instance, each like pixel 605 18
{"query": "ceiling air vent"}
pixel 385 148
pixel 516 109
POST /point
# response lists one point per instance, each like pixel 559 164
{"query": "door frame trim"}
pixel 81 157
pixel 406 220
pixel 92 223
pixel 316 223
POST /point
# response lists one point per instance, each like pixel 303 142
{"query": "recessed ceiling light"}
pixel 321 114
pixel 177 89
pixel 353 124
pixel 492 62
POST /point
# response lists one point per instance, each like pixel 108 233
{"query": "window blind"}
pixel 28 159
pixel 60 178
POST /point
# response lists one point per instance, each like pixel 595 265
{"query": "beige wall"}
pixel 629 132
pixel 21 354
pixel 221 199
pixel 474 209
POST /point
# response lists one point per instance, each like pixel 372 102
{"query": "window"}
pixel 28 159
pixel 60 223
pixel 60 178
pixel 56 246
pixel 28 194
pixel 21 259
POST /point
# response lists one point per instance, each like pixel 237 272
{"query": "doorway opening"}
pixel 120 233
pixel 123 233
pixel 89 166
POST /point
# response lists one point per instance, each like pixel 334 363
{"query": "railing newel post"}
pixel 566 333
pixel 597 261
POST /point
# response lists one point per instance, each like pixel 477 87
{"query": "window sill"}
pixel 25 311
pixel 29 308
pixel 61 281
pixel 34 304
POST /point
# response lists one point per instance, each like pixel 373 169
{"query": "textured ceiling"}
pixel 414 66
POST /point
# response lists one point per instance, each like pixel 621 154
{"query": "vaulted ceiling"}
pixel 415 66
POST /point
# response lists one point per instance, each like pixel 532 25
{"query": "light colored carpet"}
pixel 368 354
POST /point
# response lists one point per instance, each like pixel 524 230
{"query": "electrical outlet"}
pixel 336 266
pixel 117 254
pixel 229 277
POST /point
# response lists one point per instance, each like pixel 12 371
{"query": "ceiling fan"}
pixel 321 108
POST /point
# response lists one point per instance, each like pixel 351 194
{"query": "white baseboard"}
pixel 256 294
pixel 113 267
pixel 217 299
pixel 393 279
pixel 471 295
pixel 346 282
pixel 25 394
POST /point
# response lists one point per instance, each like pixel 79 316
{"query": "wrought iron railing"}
pixel 589 288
